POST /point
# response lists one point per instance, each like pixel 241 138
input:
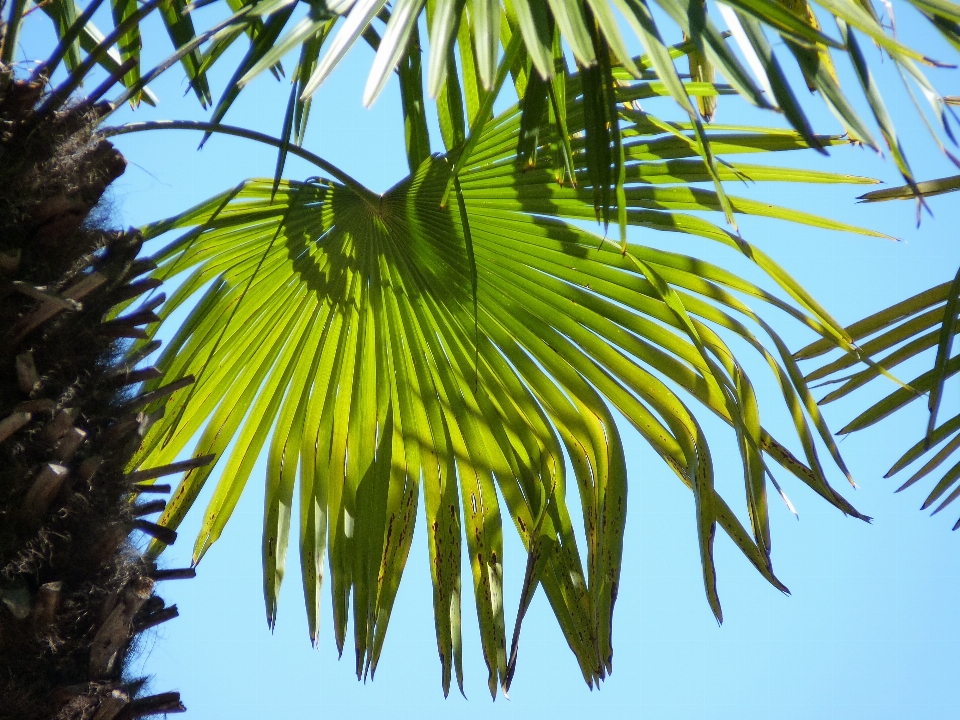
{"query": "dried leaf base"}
pixel 74 591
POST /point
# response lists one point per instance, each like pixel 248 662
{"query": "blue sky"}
pixel 871 627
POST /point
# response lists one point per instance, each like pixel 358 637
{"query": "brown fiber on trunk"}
pixel 74 590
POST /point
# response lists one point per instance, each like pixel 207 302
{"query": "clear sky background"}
pixel 871 628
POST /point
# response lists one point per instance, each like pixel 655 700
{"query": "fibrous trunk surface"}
pixel 74 590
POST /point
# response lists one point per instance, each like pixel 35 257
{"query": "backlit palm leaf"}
pixel 893 336
pixel 382 346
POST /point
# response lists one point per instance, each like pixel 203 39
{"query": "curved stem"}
pixel 369 196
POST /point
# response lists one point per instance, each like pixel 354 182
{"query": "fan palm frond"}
pixel 383 346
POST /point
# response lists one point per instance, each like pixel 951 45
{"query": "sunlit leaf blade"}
pixel 219 30
pixel 537 26
pixel 823 78
pixel 933 463
pixel 942 8
pixel 663 64
pixel 783 18
pixel 443 20
pixel 770 67
pixel 521 67
pixel 69 25
pixel 478 122
pixel 601 132
pixel 130 41
pixel 98 47
pixel 302 35
pixel 914 389
pixel 393 44
pixel 64 13
pixel 475 28
pixel 939 435
pixel 702 70
pixel 485 24
pixel 557 92
pixel 946 481
pixel 371 345
pixel 416 132
pixel 472 89
pixel 877 105
pixel 879 321
pixel 259 47
pixel 573 27
pixel 251 29
pixel 298 109
pixel 856 16
pixel 181 30
pixel 609 35
pixel 361 14
pixel 707 39
pixel 450 110
pixel 817 57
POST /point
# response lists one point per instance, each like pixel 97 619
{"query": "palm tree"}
pixel 469 336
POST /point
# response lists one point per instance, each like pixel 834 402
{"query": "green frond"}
pixel 902 332
pixel 770 34
pixel 380 349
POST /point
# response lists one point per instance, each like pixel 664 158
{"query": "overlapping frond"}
pixel 121 54
pixel 478 34
pixel 898 334
pixel 381 349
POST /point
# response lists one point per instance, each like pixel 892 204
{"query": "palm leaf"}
pixel 905 331
pixel 594 32
pixel 475 348
pixel 926 188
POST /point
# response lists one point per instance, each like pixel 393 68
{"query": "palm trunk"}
pixel 74 590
